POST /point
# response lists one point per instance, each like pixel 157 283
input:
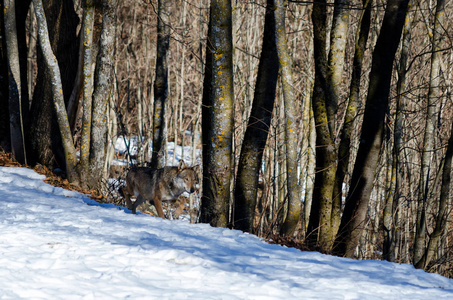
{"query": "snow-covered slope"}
pixel 58 244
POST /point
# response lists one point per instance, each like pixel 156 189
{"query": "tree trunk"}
pixel 292 183
pixel 430 133
pixel 45 145
pixel 390 215
pixel 344 148
pixel 160 82
pixel 5 137
pixel 354 216
pixel 103 86
pixel 257 130
pixel 57 92
pixel 87 40
pixel 14 79
pixel 217 116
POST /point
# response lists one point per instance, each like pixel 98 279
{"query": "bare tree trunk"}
pixel 87 40
pixel 428 140
pixel 57 91
pixel 257 130
pixel 294 191
pixel 103 87
pixel 344 148
pixel 354 216
pixel 15 102
pixel 391 213
pixel 160 82
pixel 217 116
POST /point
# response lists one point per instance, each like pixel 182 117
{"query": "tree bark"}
pixel 430 133
pixel 390 214
pixel 57 92
pixel 354 215
pixel 344 148
pixel 257 130
pixel 160 82
pixel 103 85
pixel 16 114
pixel 217 116
pixel 293 188
pixel 45 145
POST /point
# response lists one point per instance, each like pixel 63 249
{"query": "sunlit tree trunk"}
pixel 326 207
pixel 160 82
pixel 57 92
pixel 344 148
pixel 257 130
pixel 87 40
pixel 217 116
pixel 293 187
pixel 45 145
pixel 103 88
pixel 430 129
pixel 354 215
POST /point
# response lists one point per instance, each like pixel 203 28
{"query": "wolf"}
pixel 156 185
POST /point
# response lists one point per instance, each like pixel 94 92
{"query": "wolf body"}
pixel 154 186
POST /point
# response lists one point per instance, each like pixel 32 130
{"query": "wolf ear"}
pixel 182 165
pixel 196 168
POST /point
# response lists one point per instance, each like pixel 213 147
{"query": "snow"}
pixel 59 244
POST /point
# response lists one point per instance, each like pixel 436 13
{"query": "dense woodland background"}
pixel 322 124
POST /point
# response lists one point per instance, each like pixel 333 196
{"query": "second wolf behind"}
pixel 154 186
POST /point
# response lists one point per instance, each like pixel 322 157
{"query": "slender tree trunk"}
pixel 57 91
pixel 257 130
pixel 354 216
pixel 160 82
pixel 430 128
pixel 14 79
pixel 390 215
pixel 320 216
pixel 344 148
pixel 103 87
pixel 217 116
pixel 45 145
pixel 87 31
pixel 294 191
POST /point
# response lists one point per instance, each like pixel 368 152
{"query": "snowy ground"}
pixel 58 244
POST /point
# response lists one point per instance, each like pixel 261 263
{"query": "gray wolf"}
pixel 154 186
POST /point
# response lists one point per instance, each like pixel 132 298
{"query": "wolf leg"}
pixel 158 205
pixel 137 203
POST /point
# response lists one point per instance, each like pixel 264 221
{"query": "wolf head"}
pixel 189 176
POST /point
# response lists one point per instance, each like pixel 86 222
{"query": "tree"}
pixel 160 82
pixel 429 133
pixel 82 172
pixel 293 188
pixel 17 111
pixel 257 130
pixel 326 203
pixel 217 116
pixel 43 137
pixel 354 215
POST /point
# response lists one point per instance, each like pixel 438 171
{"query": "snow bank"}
pixel 58 244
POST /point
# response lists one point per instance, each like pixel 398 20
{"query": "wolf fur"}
pixel 154 186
